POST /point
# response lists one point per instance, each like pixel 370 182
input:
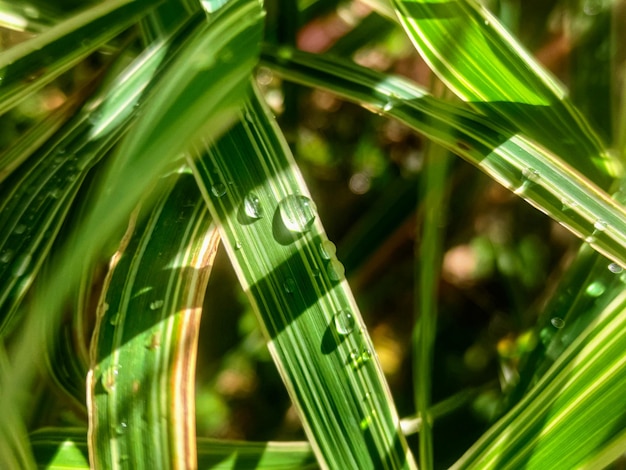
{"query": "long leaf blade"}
pixel 295 283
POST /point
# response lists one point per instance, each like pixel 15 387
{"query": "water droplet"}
pixel 55 193
pixel 21 228
pixel 595 289
pixel 600 225
pixel 238 245
pixel 531 174
pixel 335 270
pixel 252 206
pixel 289 286
pixel 218 189
pixel 327 249
pixel 344 322
pixel 297 213
pixel 615 268
pixel 115 319
pixel 121 428
pixel 21 265
pixel 389 105
pixel 109 379
pixel 6 256
pixel 366 423
pixel 557 322
pixel 156 304
pixel 359 359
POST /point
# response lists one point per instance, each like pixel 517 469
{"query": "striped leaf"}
pixel 296 285
pixel 141 383
pixel 66 448
pixel 485 66
pixel 510 158
pixel 32 64
pixel 573 417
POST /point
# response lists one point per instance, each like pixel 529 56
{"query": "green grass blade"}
pixel 141 381
pixel 38 194
pixel 485 66
pixel 427 267
pixel 532 172
pixel 36 62
pixel 66 448
pixel 60 448
pixel 573 412
pixel 289 271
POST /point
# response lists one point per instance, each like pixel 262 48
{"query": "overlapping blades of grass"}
pixel 295 283
pixel 141 382
pixel 485 66
pixel 37 195
pixel 66 448
pixel 36 62
pixel 509 157
pixel 574 415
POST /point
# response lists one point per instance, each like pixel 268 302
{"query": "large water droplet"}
pixel 297 213
pixel 327 249
pixel 156 304
pixel 557 322
pixel 615 268
pixel 335 270
pixel 344 322
pixel 252 206
pixel 595 289
pixel 218 189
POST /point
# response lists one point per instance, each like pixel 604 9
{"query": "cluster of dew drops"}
pixel 298 213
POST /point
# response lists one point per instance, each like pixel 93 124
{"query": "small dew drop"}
pixel 55 193
pixel 531 174
pixel 156 304
pixel 595 289
pixel 344 322
pixel 615 268
pixel 327 249
pixel 252 206
pixel 21 228
pixel 21 265
pixel 121 428
pixel 109 379
pixel 600 225
pixel 359 359
pixel 335 270
pixel 218 189
pixel 297 213
pixel 389 105
pixel 115 319
pixel 289 286
pixel 6 256
pixel 366 423
pixel 557 322
pixel 238 245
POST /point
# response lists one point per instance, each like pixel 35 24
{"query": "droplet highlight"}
pixel 344 322
pixel 297 213
pixel 600 225
pixel 357 359
pixel 615 268
pixel 218 189
pixel 157 304
pixel 595 289
pixel 335 270
pixel 252 206
pixel 557 322
pixel 327 249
